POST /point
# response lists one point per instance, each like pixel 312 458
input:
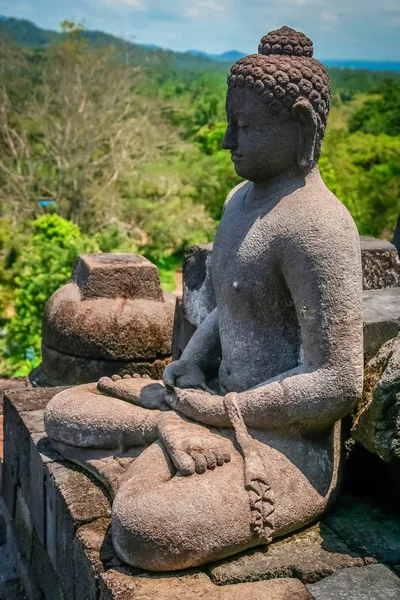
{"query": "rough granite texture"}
pixel 66 369
pixel 309 556
pixel 381 264
pixel 377 422
pixel 381 318
pixel 112 317
pixel 374 582
pixel 371 530
pixel 198 292
pixel 76 557
pixel 117 586
pixel 253 441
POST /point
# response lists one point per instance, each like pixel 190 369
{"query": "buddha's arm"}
pixel 203 353
pixel 325 283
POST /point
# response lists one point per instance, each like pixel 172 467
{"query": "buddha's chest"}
pixel 245 255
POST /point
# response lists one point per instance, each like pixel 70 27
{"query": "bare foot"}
pixel 192 448
pixel 142 391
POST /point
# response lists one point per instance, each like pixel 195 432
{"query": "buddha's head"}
pixel 277 107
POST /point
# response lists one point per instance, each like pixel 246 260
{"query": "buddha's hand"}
pixel 183 374
pixel 192 448
pixel 142 391
pixel 198 405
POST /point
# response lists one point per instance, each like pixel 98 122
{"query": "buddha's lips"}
pixel 236 156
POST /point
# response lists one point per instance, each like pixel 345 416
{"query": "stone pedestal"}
pixel 61 522
pixel 111 318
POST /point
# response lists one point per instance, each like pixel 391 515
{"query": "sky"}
pixel 340 29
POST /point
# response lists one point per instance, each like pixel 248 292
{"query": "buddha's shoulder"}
pixel 238 192
pixel 316 204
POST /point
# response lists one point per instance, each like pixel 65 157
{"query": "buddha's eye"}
pixel 243 125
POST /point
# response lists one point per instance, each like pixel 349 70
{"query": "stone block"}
pixel 377 422
pixel 381 318
pixel 24 430
pixel 198 291
pixel 367 528
pixel 117 585
pixel 105 313
pixel 12 590
pixel 117 275
pixel 381 264
pixel 309 556
pixel 8 490
pixel 12 384
pixel 43 572
pixel 92 554
pixel 29 582
pixel 183 331
pixel 72 370
pixel 72 499
pixel 23 529
pixel 374 582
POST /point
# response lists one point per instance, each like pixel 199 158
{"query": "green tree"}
pixel 380 113
pixel 44 265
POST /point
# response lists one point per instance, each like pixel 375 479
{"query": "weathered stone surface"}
pixel 112 317
pixel 381 264
pixel 23 527
pixel 198 292
pixel 374 582
pixel 128 328
pixel 43 572
pixel 309 556
pixel 12 590
pixel 8 490
pixel 12 384
pixel 23 431
pixel 72 499
pixel 116 585
pixel 367 528
pixel 183 331
pixel 377 422
pixel 381 306
pixel 92 554
pixel 8 549
pixel 29 582
pixel 381 318
pixel 117 275
pixel 59 368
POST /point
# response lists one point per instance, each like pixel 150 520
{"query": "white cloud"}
pixel 127 3
pixel 203 8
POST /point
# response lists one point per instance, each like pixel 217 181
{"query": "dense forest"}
pixel 107 146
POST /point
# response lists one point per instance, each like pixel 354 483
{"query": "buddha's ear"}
pixel 304 115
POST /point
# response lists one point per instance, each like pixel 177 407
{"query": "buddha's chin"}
pixel 241 170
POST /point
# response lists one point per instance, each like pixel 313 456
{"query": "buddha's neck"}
pixel 284 182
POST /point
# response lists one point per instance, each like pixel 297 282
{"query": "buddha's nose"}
pixel 229 142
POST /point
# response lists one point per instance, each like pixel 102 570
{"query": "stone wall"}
pixel 61 523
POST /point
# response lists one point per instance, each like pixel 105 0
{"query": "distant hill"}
pixel 370 65
pixel 231 56
pixel 28 34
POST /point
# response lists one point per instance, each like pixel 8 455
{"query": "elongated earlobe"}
pixel 304 114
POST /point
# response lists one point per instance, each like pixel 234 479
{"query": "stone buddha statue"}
pixel 241 442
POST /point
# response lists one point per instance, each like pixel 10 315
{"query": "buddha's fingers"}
pixel 112 388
